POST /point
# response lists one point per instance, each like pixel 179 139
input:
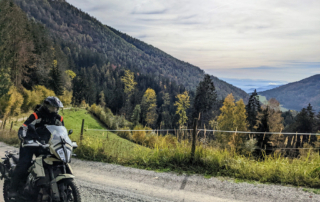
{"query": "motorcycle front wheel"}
pixel 69 191
pixel 6 186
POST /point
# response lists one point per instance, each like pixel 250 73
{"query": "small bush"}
pixel 151 140
pixel 106 116
pixel 138 136
pixel 8 137
pixel 125 134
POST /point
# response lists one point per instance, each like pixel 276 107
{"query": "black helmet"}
pixel 52 104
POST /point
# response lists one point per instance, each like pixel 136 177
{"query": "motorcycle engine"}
pixel 30 189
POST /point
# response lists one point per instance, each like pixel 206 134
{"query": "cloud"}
pixel 277 36
pixel 150 12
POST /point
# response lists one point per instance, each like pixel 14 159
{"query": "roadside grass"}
pixel 97 145
pixel 208 160
pixel 8 137
pixel 310 190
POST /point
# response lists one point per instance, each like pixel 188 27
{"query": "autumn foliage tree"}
pixel 233 117
pixel 129 86
pixel 182 104
pixel 149 107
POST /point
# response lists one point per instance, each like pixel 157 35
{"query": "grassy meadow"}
pixel 208 161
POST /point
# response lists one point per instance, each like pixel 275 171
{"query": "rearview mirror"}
pixel 70 132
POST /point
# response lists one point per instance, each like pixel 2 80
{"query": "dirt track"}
pixel 107 182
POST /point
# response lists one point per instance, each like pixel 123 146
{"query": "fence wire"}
pixel 224 131
pixel 205 130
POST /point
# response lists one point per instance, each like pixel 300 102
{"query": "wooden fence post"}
pixel 4 124
pixel 81 134
pixel 11 126
pixel 193 149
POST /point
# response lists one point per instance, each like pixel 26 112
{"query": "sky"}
pixel 270 40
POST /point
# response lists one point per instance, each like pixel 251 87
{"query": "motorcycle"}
pixel 50 177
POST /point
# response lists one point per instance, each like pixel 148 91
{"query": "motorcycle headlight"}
pixel 61 154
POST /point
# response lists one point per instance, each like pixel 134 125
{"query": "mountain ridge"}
pixel 71 25
pixel 297 95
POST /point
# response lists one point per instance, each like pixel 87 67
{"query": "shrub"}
pixel 151 140
pixel 125 134
pixel 138 136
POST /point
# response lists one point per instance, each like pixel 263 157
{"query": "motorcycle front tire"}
pixel 6 186
pixel 72 191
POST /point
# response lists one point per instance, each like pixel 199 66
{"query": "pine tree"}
pixel 205 97
pixel 166 118
pixel 312 118
pixel 253 108
pixel 317 127
pixel 16 45
pixel 135 118
pixel 269 120
pixel 305 120
pixel 56 82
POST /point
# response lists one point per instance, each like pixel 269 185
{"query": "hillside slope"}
pixel 71 25
pixel 298 94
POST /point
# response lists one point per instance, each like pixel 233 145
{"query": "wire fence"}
pixel 295 138
pixel 205 130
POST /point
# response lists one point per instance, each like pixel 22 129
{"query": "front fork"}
pixel 54 186
pixel 54 182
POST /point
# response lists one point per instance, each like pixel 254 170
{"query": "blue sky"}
pixel 273 40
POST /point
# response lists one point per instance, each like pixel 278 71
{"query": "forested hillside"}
pixel 87 34
pixel 35 64
pixel 297 95
pixel 50 48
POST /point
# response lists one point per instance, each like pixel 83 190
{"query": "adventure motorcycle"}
pixel 50 178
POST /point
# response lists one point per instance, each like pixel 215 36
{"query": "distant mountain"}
pixel 297 95
pixel 78 29
pixel 263 88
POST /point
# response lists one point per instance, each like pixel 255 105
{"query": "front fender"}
pixel 64 176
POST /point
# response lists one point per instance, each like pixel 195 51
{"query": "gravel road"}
pixel 108 182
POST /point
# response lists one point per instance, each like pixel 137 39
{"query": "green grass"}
pixel 209 161
pixel 310 190
pixel 97 145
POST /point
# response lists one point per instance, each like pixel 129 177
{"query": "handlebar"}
pixel 35 143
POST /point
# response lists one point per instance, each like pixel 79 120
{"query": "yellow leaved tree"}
pixel 35 97
pixel 149 107
pixel 129 83
pixel 13 106
pixel 233 117
pixel 183 103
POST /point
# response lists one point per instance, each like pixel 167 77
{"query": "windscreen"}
pixel 58 133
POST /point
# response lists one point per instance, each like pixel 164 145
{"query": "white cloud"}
pixel 216 34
